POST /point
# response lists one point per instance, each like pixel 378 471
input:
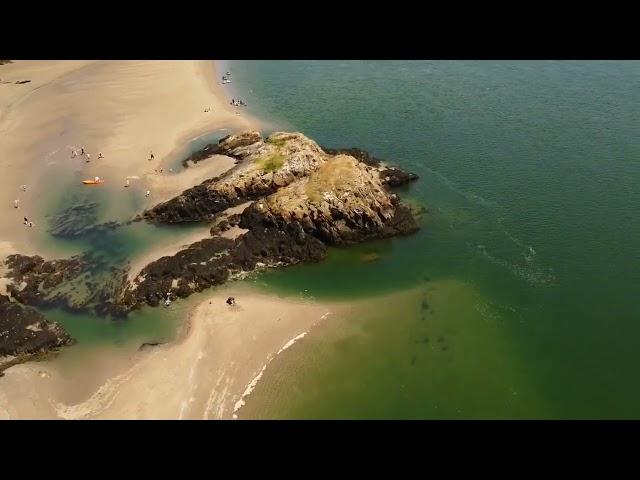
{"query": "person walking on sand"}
pixel 74 154
pixel 88 157
pixel 147 193
pixel 15 203
pixel 82 151
pixel 26 221
pixel 100 155
pixel 23 188
pixel 151 157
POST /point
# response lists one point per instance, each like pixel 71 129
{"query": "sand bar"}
pixel 203 375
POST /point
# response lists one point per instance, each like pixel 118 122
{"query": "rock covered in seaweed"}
pixel 35 280
pixel 213 261
pixel 24 331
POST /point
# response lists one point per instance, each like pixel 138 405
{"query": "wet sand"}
pixel 124 109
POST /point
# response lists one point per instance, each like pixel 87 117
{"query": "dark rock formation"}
pixel 207 151
pixel 36 281
pixel 357 153
pixel 147 345
pixel 214 260
pixel 226 146
pixel 24 331
pixel 394 177
pixel 3 62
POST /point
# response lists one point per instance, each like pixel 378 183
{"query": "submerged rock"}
pixel 79 220
pixel 35 280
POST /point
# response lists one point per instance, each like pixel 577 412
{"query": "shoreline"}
pixel 118 108
pixel 172 381
pixel 239 342
pixel 117 385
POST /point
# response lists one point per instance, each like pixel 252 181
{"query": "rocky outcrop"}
pixel 25 332
pixel 334 200
pixel 391 176
pixel 36 281
pixel 301 200
pixel 343 202
pixel 264 166
pixel 214 260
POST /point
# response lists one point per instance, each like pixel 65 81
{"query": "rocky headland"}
pixel 285 201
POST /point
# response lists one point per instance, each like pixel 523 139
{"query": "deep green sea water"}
pixel 529 255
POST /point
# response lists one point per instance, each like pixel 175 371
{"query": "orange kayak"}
pixel 92 182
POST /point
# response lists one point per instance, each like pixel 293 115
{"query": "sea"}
pixel 519 298
pixel 525 275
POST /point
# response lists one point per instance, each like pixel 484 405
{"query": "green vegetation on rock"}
pixel 270 163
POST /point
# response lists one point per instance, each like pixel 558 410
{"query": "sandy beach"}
pixel 125 110
pixel 206 374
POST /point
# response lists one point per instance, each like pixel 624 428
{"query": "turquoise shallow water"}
pixel 530 172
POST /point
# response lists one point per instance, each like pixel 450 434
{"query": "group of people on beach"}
pixel 226 78
pixel 87 155
pixel 238 103
pixel 16 204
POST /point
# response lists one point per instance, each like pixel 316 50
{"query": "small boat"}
pixel 95 181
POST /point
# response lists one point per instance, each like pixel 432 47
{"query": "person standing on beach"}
pixel 151 157
pixel 15 203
